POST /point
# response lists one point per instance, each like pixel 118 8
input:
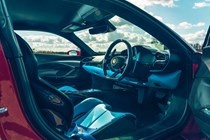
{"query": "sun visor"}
pixel 86 17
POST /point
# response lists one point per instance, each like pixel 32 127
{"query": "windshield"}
pixel 125 30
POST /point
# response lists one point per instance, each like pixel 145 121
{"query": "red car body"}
pixel 14 124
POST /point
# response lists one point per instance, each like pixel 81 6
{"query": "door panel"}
pixel 54 63
pixel 63 70
pixel 200 94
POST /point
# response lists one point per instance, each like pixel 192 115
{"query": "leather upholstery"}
pixel 51 101
pixel 67 89
pixel 85 106
pixel 102 123
pixel 47 97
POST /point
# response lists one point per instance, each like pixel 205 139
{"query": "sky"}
pixel 189 18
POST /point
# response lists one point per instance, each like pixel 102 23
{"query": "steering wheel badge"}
pixel 114 61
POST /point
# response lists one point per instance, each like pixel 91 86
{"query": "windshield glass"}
pixel 125 30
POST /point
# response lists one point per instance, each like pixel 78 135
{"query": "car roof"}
pixel 53 15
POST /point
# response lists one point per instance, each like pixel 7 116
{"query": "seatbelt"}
pixel 79 133
pixel 84 136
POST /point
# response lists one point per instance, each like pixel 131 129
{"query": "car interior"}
pixel 140 91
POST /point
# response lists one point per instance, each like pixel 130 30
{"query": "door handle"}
pixel 3 110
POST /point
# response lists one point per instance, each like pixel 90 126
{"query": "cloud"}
pixel 205 3
pixel 146 3
pixel 101 42
pixel 159 18
pixel 156 16
pixel 125 30
pixel 196 37
pixel 186 25
pixel 113 36
pixel 182 25
pixel 117 21
pixel 200 24
pixel 172 26
pixel 47 42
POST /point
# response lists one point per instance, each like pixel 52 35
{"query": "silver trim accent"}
pixel 206 111
pixel 3 110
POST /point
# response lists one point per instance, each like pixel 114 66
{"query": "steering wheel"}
pixel 119 65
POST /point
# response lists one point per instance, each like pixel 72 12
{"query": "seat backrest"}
pixel 47 97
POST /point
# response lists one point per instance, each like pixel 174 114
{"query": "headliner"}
pixel 42 14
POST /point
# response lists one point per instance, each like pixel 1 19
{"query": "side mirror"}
pixel 73 53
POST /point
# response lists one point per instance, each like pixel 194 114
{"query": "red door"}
pixel 13 123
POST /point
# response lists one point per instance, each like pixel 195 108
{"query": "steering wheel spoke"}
pixel 113 52
pixel 123 67
pixel 114 74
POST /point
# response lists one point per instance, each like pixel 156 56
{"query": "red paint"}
pixel 13 124
pixel 194 68
pixel 78 53
pixel 190 132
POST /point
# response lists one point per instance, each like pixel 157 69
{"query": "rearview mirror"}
pixel 104 28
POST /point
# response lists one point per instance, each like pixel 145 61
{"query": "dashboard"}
pixel 150 67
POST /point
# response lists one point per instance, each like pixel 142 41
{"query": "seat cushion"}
pixel 67 89
pixel 102 123
pixel 81 109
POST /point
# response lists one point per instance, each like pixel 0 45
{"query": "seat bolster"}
pixel 86 106
pixel 103 123
pixel 121 124
pixel 67 89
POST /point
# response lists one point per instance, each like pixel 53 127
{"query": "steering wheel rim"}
pixel 128 61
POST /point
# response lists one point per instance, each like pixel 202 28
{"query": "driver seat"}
pixel 60 113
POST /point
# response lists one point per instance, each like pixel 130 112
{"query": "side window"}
pixel 48 43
